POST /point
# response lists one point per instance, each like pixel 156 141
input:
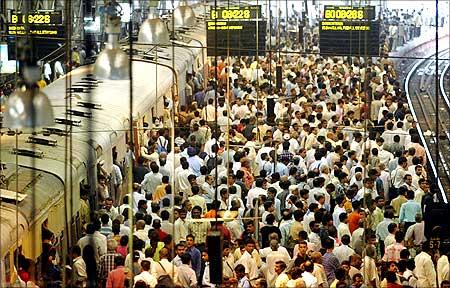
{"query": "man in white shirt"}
pixel 251 268
pixel 152 179
pixel 425 271
pixel 255 192
pixel 344 252
pixel 186 275
pixel 308 277
pixel 164 266
pixel 181 227
pixel 91 239
pixel 145 274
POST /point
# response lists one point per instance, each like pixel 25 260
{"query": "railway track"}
pixel 420 86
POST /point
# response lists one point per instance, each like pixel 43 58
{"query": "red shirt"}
pixel 353 221
pixel 162 234
pixel 116 278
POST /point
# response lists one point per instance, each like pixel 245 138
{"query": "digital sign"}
pixel 236 31
pixel 36 23
pixel 37 17
pixel 235 13
pixel 349 37
pixel 236 38
pixel 349 13
pixel 347 30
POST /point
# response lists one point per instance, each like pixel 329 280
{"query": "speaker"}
pixel 214 242
pixel 279 73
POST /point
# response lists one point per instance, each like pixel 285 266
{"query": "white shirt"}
pixel 343 252
pixel 424 271
pixel 96 243
pixel 251 268
pixel 164 267
pixel 147 277
pixel 442 269
pixel 310 280
pixel 254 193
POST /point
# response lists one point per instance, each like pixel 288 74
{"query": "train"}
pixel 42 171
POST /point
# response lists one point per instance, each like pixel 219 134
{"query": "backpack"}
pixel 161 147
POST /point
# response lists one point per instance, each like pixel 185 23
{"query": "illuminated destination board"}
pixel 36 23
pixel 235 13
pixel 236 31
pixel 37 17
pixel 346 30
pixel 349 13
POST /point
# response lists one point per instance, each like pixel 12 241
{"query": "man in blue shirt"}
pixel 409 210
pixel 196 256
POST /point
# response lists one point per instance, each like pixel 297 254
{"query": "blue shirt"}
pixel 409 210
pixel 196 260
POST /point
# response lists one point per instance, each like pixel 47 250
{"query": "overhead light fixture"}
pixel 153 31
pixel 27 106
pixel 183 15
pixel 112 63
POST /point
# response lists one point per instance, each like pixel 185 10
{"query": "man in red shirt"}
pixel 116 278
pixel 354 217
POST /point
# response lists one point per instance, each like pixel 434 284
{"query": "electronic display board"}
pixel 349 37
pixel 36 23
pixel 349 13
pixel 37 17
pixel 241 37
pixel 235 13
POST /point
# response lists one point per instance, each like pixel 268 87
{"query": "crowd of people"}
pixel 316 181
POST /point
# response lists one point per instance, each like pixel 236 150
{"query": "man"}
pixel 164 266
pixel 241 276
pixel 141 232
pixel 228 261
pixel 110 209
pixel 95 242
pixel 145 274
pixel 392 252
pixel 369 268
pixel 425 271
pixel 152 179
pixel 344 252
pixel 79 275
pixel 137 196
pixel 416 232
pixel 195 254
pixel 248 261
pixel 206 279
pixel 180 249
pixel 196 199
pixel 186 275
pixel 409 210
pixel 198 229
pixel 106 263
pixel 116 278
pixel 343 226
pixel 282 278
pixel 308 277
pixel 382 228
pixel 330 261
pixel 181 227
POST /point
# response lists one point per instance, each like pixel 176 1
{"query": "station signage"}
pixel 349 13
pixel 36 23
pixel 235 31
pixel 347 31
pixel 235 13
